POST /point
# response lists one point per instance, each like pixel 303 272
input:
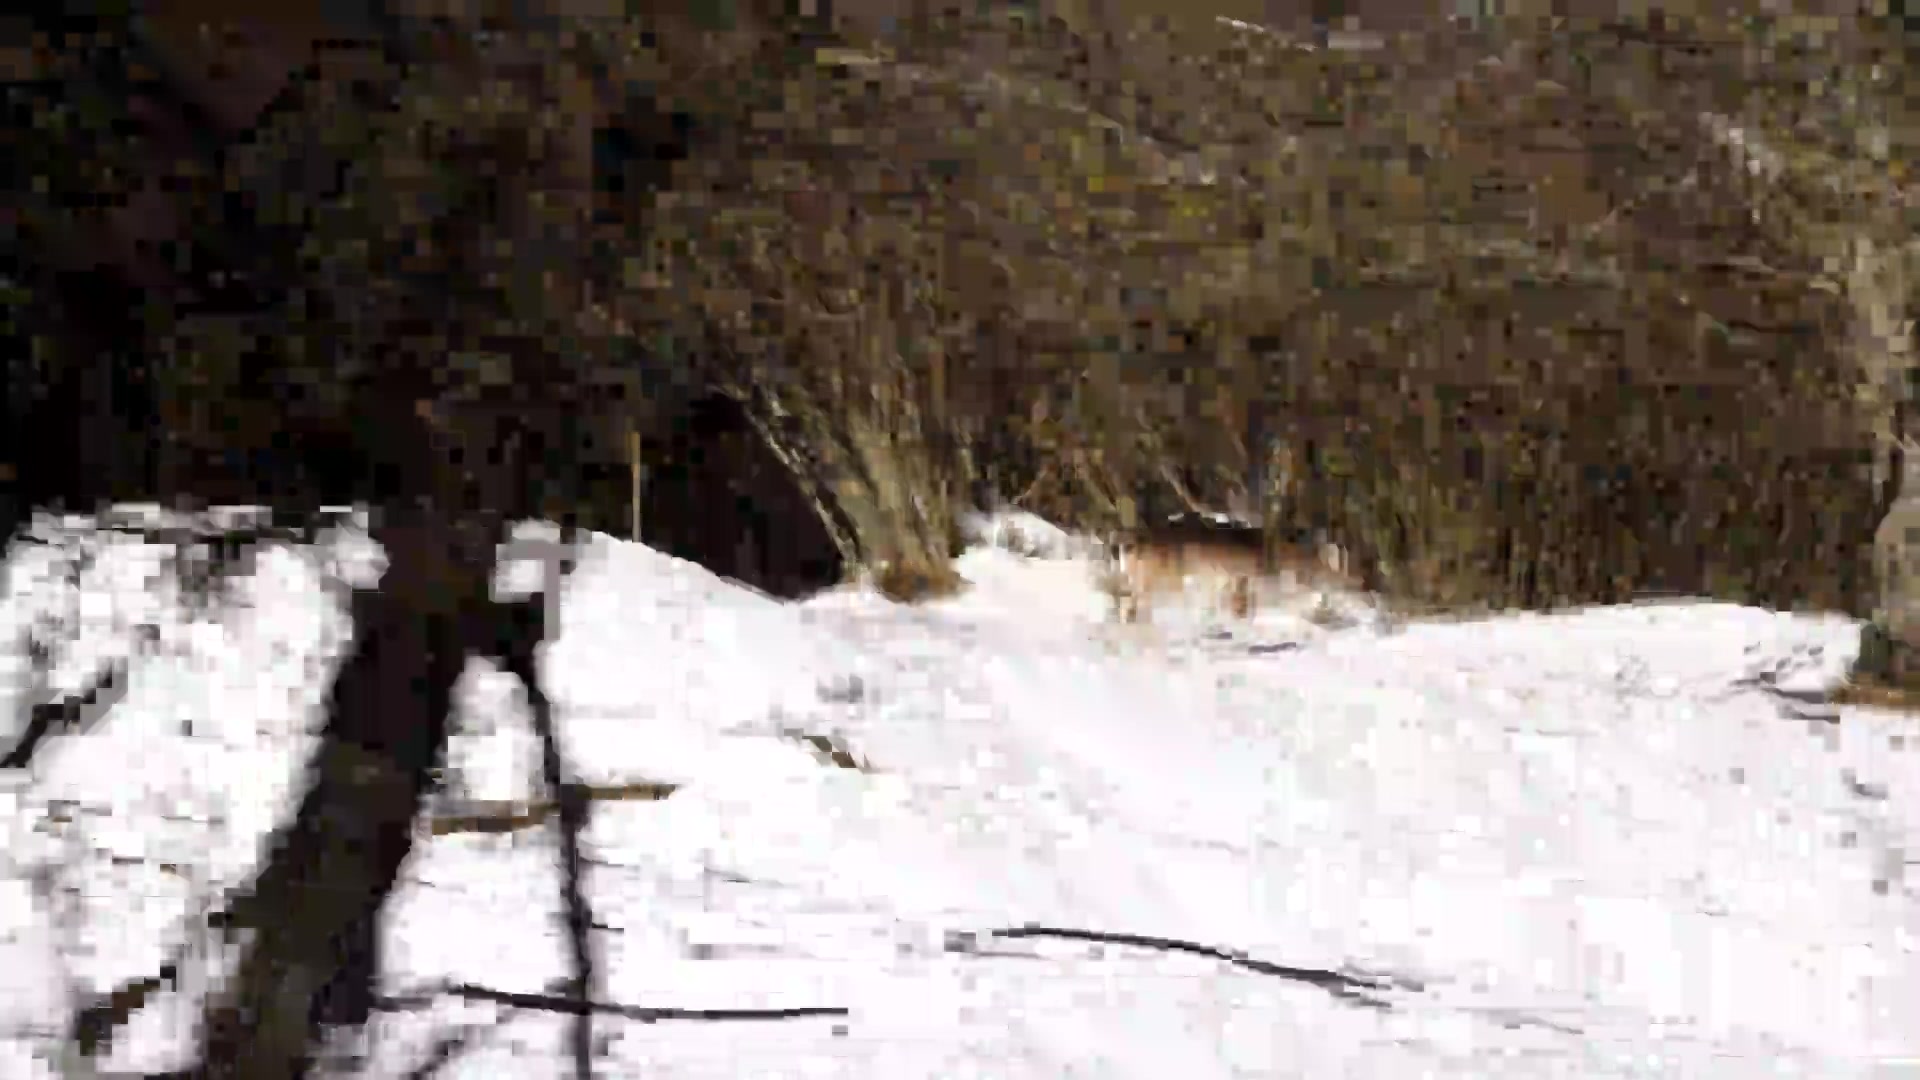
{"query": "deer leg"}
pixel 1242 597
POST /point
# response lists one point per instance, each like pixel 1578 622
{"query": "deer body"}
pixel 1226 563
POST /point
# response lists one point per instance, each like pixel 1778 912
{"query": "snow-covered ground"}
pixel 1587 845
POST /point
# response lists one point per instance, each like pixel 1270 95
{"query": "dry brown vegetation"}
pixel 1525 324
pixel 1527 313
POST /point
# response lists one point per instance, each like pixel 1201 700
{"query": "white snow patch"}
pixel 1594 841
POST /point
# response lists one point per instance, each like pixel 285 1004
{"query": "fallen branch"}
pixel 94 1025
pixel 1348 986
pixel 827 750
pixel 67 714
pixel 573 1006
pixel 454 1042
pixel 491 817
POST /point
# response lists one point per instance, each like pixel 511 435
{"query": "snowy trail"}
pixel 1597 847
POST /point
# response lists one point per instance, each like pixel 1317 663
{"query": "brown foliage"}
pixel 1521 328
pixel 1505 308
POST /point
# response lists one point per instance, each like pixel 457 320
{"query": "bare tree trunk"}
pixel 313 912
pixel 309 921
pixel 1883 336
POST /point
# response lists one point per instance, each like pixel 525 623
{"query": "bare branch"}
pixel 573 1006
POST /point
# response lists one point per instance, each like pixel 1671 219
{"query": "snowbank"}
pixel 1588 844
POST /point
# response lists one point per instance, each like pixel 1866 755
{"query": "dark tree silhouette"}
pixel 132 239
pixel 388 292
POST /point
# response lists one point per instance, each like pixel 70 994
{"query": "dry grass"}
pixel 971 263
pixel 916 583
pixel 1531 315
pixel 1904 699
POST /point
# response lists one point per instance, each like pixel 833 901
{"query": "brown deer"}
pixel 1227 562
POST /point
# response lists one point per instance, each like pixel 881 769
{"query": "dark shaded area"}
pixel 509 634
pixel 289 388
pixel 714 494
pixel 76 403
pixel 108 250
pixel 99 282
pixel 635 152
pixel 314 908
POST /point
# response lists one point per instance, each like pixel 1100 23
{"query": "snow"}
pixel 1584 844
